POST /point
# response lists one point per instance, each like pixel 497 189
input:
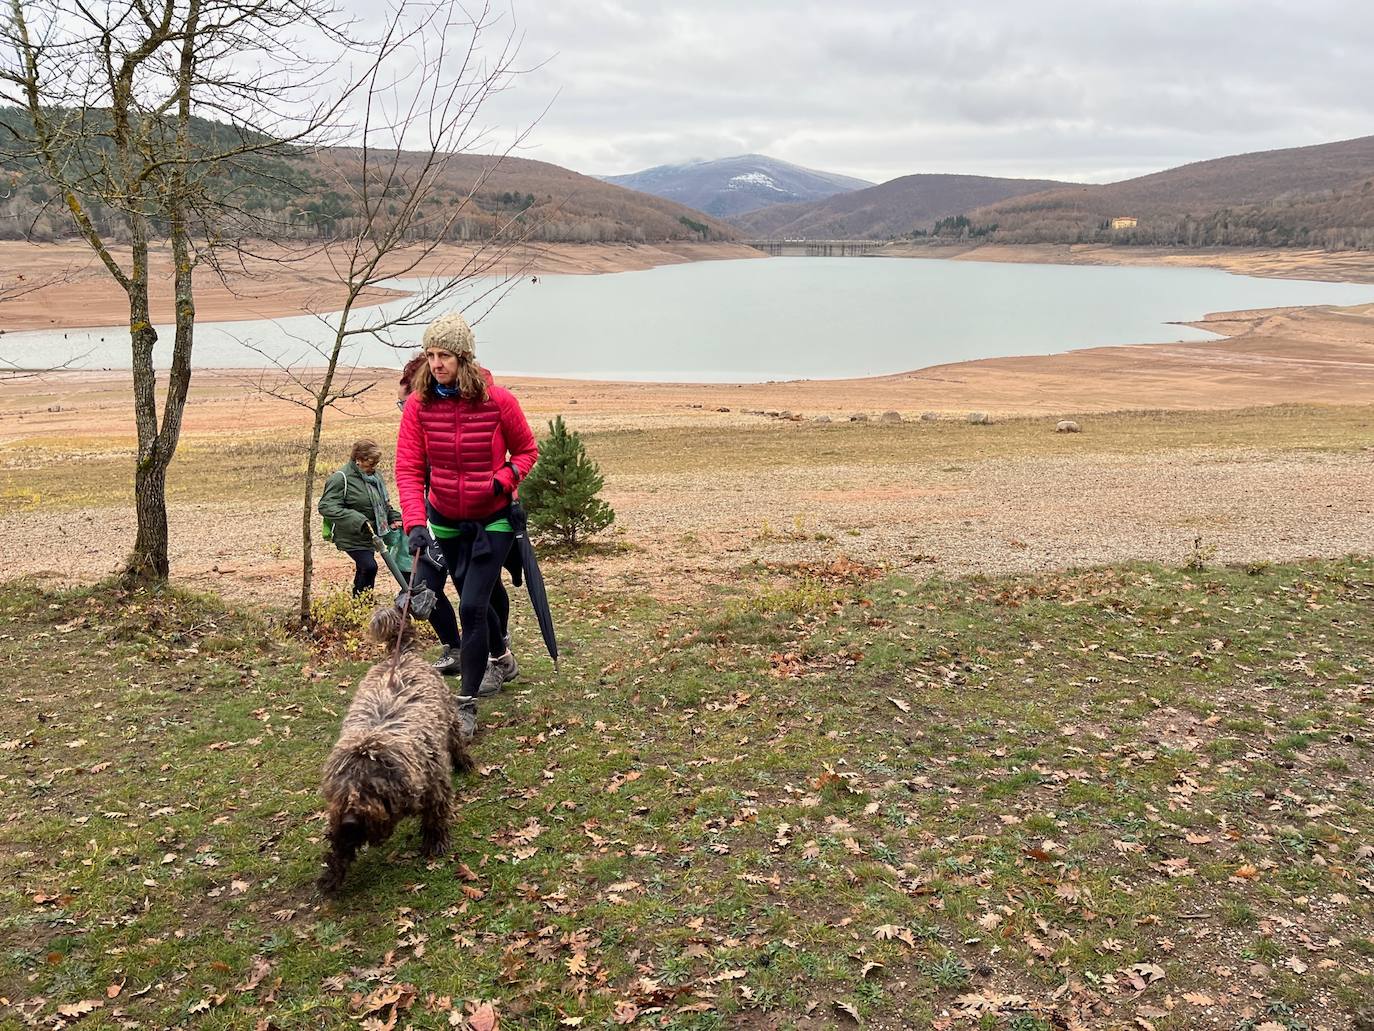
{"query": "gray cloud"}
pixel 1091 90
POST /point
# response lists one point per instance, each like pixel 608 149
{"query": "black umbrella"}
pixel 528 565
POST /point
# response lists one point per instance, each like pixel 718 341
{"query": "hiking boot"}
pixel 467 717
pixel 499 673
pixel 449 663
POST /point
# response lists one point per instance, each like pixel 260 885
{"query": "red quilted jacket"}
pixel 460 449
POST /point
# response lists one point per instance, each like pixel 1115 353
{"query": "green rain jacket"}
pixel 348 503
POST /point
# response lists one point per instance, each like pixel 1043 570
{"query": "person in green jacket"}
pixel 356 504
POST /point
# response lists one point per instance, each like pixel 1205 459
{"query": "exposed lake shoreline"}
pixel 78 293
pixel 1271 357
pixel 1329 266
pixel 1318 355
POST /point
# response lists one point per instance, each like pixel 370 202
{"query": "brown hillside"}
pixel 576 208
pixel 893 208
pixel 1309 196
pixel 315 196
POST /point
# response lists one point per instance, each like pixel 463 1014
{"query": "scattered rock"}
pixel 930 416
pixel 772 413
pixel 978 418
pixel 820 418
pixel 722 409
pixel 572 400
pixel 859 417
pixel 889 418
pixel 1067 426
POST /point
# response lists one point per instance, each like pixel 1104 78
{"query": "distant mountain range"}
pixel 734 185
pixel 1319 196
pixel 894 208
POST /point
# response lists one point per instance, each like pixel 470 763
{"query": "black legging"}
pixel 364 570
pixel 483 605
pixel 445 621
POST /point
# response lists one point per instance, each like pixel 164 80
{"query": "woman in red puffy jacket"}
pixel 466 439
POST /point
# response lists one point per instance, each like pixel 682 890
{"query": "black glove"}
pixel 421 540
pixel 422 601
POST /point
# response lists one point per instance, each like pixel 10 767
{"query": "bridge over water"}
pixel 817 248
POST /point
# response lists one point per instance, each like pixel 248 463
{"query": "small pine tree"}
pixel 560 493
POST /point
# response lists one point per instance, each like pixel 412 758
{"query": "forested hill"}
pixel 893 208
pixel 1320 196
pixel 299 193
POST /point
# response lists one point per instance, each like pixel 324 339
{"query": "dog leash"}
pixel 405 612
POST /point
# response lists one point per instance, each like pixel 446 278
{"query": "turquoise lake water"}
pixel 779 318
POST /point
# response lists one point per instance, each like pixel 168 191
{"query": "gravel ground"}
pixel 683 534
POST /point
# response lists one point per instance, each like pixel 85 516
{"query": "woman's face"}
pixel 368 465
pixel 443 365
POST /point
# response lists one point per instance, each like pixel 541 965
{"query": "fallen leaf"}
pixel 260 969
pixel 1198 999
pixel 903 705
pixel 484 1018
pixel 848 1010
pixel 80 1009
pixel 1296 965
pixel 625 1012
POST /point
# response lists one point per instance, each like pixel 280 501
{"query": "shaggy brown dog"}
pixel 395 756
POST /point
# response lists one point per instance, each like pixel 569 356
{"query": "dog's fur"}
pixel 395 755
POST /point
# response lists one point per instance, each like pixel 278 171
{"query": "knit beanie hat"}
pixel 451 333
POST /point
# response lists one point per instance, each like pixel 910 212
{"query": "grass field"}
pixel 1134 796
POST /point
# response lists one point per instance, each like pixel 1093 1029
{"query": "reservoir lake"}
pixel 756 320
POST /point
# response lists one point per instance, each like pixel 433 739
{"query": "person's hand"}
pixel 395 524
pixel 421 540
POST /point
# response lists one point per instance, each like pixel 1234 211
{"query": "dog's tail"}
pixel 390 629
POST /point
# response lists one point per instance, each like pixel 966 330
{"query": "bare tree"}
pixel 111 91
pixel 421 101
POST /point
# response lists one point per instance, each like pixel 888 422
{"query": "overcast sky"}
pixel 1090 90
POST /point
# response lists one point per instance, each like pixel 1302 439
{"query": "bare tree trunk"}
pixel 148 560
pixel 322 398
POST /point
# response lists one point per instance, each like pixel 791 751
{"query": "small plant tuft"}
pixel 1197 558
